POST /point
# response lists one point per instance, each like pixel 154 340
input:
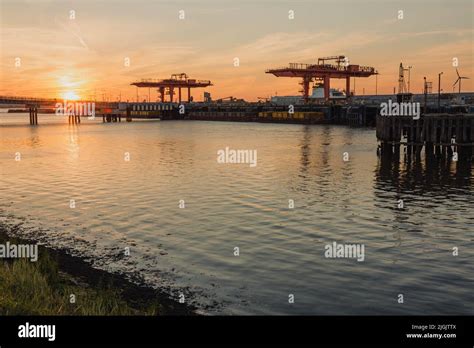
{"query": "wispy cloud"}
pixel 73 28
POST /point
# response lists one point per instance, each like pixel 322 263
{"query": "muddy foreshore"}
pixel 135 295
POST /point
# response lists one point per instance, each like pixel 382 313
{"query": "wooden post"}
pixel 33 111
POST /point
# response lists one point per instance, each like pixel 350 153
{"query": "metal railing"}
pixel 328 67
pixel 174 80
pixel 28 98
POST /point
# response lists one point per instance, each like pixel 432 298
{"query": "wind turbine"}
pixel 459 80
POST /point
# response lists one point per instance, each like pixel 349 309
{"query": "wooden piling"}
pixel 439 134
pixel 33 112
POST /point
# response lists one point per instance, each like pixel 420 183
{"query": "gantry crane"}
pixel 178 81
pixel 324 72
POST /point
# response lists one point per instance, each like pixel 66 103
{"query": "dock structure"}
pixel 438 126
pixel 168 86
pixel 112 118
pixel 439 134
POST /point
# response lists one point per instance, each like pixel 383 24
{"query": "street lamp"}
pixel 439 89
pixel 409 70
pixel 425 91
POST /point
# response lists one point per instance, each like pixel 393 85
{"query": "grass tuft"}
pixel 39 288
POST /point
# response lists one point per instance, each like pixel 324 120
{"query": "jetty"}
pixel 439 134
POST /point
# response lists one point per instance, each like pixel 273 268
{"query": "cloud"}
pixel 73 28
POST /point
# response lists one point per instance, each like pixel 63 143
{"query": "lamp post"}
pixel 425 91
pixel 409 70
pixel 439 89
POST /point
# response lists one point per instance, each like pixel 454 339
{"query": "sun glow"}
pixel 70 95
pixel 69 84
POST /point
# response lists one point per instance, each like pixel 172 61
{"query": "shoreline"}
pixel 73 269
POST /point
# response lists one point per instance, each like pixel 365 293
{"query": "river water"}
pixel 156 189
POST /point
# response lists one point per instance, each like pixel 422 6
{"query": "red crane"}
pixel 324 72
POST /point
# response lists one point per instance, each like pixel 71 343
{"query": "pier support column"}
pixel 429 150
pixel 162 94
pixel 348 87
pixel 33 111
pixel 305 84
pixel 396 150
pixel 386 149
pixel 327 87
pixel 189 94
pixel 450 150
pixel 73 119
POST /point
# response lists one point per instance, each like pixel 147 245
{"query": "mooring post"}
pixel 33 111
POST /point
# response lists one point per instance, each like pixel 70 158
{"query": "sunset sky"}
pixel 85 56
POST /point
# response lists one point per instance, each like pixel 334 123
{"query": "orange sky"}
pixel 83 53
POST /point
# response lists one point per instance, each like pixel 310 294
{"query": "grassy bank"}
pixel 39 289
pixel 45 288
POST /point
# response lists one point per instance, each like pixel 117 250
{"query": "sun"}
pixel 70 95
pixel 69 84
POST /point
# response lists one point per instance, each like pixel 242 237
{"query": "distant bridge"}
pixel 10 101
pixel 75 110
